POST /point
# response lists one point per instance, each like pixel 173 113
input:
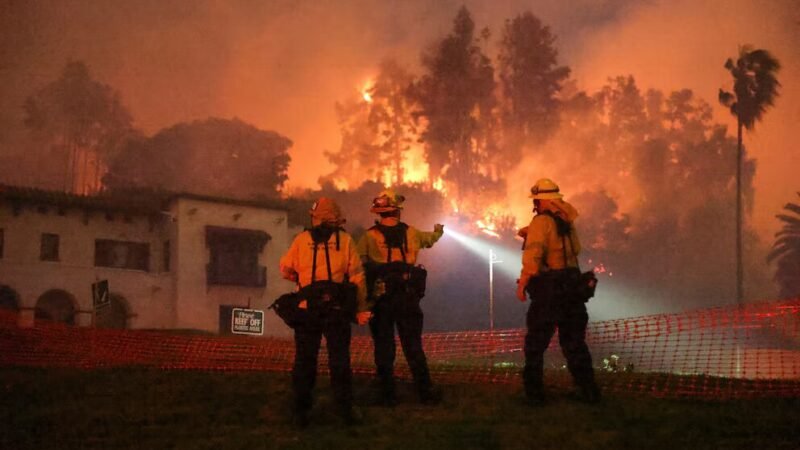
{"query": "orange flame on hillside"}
pixel 489 228
pixel 438 184
pixel 365 91
pixel 492 218
pixel 491 222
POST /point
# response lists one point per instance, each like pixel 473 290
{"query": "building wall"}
pixel 148 294
pixel 178 298
pixel 197 302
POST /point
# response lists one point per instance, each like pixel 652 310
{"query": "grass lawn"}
pixel 151 409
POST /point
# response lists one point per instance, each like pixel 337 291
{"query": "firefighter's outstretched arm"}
pixel 427 238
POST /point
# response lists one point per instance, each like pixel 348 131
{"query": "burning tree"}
pixel 668 170
pixel 355 162
pixel 531 81
pixel 650 171
pixel 390 117
pixel 470 140
pixel 378 132
pixel 455 98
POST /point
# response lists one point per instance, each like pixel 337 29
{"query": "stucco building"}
pixel 172 260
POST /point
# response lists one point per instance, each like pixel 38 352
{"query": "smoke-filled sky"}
pixel 281 65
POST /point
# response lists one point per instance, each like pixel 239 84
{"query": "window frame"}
pixel 55 243
pixel 166 256
pixel 135 252
pixel 225 244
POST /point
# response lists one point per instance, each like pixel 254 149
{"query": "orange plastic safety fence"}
pixel 725 352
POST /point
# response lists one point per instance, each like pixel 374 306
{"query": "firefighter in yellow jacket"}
pixel 324 263
pixel 389 251
pixel 550 254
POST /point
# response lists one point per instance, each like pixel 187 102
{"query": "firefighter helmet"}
pixel 545 189
pixel 387 201
pixel 325 210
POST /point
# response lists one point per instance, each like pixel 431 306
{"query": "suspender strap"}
pixel 565 231
pixel 404 246
pixel 327 256
pixel 402 252
pixel 572 249
pixel 328 262
pixel 314 265
pixel 392 241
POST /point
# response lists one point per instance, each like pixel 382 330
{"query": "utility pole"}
pixel 492 261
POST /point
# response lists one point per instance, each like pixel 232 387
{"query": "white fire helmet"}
pixel 545 189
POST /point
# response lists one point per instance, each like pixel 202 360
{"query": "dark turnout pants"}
pixel 399 309
pixel 307 338
pixel 551 309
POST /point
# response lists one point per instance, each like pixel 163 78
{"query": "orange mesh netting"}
pixel 725 352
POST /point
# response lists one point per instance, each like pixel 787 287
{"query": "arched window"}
pixel 9 299
pixel 115 315
pixel 56 306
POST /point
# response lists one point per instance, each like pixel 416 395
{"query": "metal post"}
pixel 491 289
pixel 492 261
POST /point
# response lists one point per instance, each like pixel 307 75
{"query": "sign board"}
pixel 100 297
pixel 247 321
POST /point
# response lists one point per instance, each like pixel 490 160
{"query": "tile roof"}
pixel 134 201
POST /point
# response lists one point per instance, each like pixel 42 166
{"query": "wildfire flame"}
pixel 438 184
pixel 365 91
pixel 415 168
pixel 488 228
pixel 489 224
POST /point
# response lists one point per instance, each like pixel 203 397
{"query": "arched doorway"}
pixel 9 299
pixel 56 306
pixel 115 315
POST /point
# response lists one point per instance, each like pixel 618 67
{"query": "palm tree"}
pixel 755 89
pixel 786 250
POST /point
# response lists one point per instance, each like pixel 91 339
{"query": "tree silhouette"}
pixel 82 121
pixel 530 77
pixel 221 157
pixel 755 88
pixel 377 131
pixel 456 99
pixel 669 169
pixel 390 116
pixel 786 251
pixel 356 159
